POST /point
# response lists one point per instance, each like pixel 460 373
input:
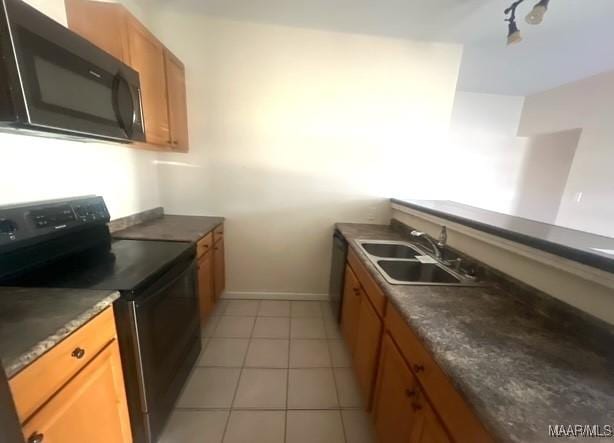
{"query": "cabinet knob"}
pixel 416 406
pixel 410 392
pixel 356 291
pixel 418 368
pixel 37 437
pixel 78 353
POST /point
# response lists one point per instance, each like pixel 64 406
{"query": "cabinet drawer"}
pixel 35 384
pixel 91 407
pixel 204 244
pixel 218 233
pixel 456 414
pixel 373 291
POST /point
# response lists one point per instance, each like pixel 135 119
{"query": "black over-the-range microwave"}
pixel 54 81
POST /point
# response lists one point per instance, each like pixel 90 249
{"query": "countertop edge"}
pixel 578 255
pixel 158 231
pixel 40 348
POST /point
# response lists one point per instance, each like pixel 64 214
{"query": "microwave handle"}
pixel 124 104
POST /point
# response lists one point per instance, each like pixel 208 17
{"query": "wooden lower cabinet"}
pixel 219 268
pixel 394 403
pixel 205 285
pixel 430 428
pixel 410 398
pixel 366 348
pixel 90 408
pixel 75 391
pixel 350 309
pixel 211 270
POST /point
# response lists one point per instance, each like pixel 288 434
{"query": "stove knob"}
pixel 7 226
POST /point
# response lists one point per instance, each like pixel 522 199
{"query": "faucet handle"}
pixel 443 237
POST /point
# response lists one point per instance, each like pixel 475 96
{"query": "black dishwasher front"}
pixel 337 273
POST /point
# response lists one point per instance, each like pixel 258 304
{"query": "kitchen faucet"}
pixel 437 247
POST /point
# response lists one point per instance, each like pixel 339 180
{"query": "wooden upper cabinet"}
pixel 147 57
pixel 177 102
pixel 111 27
pixel 101 24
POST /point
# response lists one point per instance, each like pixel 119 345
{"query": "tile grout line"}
pixel 239 379
pixel 337 391
pixel 288 378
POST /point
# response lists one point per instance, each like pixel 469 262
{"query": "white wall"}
pixel 484 159
pixel 486 113
pixel 35 168
pixel 495 169
pixel 587 202
pixel 294 129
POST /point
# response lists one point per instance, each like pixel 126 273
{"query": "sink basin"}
pixel 390 249
pixel 416 272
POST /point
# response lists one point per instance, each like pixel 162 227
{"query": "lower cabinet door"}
pixel 350 307
pixel 396 402
pixel 89 408
pixel 219 267
pixel 431 429
pixel 206 297
pixel 366 348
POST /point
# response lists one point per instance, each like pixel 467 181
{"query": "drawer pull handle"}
pixel 410 392
pixel 356 291
pixel 78 353
pixel 418 368
pixel 36 438
pixel 416 406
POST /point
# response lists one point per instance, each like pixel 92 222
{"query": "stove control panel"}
pixel 30 221
pixel 54 217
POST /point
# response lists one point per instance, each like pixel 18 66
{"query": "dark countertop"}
pixel 33 320
pixel 186 228
pixel 572 244
pixel 518 369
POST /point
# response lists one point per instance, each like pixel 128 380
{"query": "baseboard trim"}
pixel 248 295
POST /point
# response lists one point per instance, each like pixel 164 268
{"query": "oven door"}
pixel 168 336
pixel 70 85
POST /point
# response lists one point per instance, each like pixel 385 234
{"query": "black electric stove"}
pixel 67 244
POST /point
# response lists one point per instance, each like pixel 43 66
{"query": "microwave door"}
pixel 64 91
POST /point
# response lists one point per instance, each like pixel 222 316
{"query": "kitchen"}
pixel 195 275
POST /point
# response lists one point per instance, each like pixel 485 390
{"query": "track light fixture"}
pixel 535 17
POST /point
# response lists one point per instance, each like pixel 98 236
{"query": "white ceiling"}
pixel 575 41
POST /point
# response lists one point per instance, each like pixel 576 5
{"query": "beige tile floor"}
pixel 270 372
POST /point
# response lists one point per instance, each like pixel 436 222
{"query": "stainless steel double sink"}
pixel 404 263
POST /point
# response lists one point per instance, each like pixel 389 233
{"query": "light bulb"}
pixel 514 38
pixel 536 16
pixel 513 34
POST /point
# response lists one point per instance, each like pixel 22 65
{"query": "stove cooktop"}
pixel 127 265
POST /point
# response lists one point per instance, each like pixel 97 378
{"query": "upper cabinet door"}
pixel 101 23
pixel 147 57
pixel 177 102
